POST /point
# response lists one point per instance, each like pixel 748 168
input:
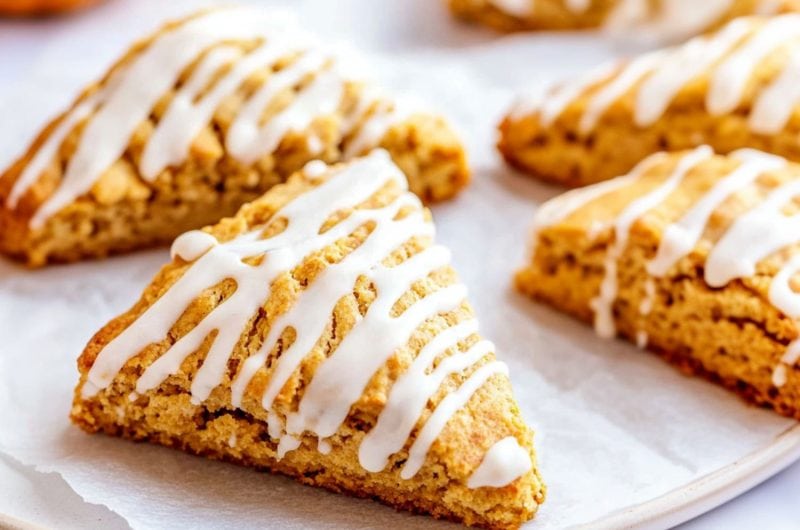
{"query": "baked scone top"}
pixel 735 217
pixel 749 66
pixel 254 76
pixel 654 20
pixel 322 304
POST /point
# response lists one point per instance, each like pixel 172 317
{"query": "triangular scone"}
pixel 732 89
pixel 195 120
pixel 320 333
pixel 647 19
pixel 693 255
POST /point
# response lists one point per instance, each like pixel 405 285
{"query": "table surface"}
pixel 770 505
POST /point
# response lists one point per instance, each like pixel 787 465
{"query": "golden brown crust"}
pixel 166 415
pixel 42 7
pixel 124 211
pixel 732 335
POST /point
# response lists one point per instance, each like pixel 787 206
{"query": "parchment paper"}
pixel 615 426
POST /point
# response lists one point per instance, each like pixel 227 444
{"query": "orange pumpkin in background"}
pixel 41 7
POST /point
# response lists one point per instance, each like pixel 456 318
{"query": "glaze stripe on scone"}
pixel 324 332
pixel 693 255
pixel 197 119
pixel 651 20
pixel 736 88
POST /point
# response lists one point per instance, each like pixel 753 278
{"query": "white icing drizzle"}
pixel 776 104
pixel 373 339
pixel 666 20
pixel 680 237
pixel 503 463
pixel 602 304
pixel 730 78
pixel 619 85
pixel 443 412
pixel 113 113
pixel 756 234
pixel 677 69
pixel 49 148
pixel 554 104
pixel 561 206
pixel 412 391
pixel 247 141
pixel 729 57
pixel 374 128
pixel 186 116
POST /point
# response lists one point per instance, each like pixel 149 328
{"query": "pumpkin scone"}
pixel 320 333
pixel 647 19
pixel 693 255
pixel 204 115
pixel 736 88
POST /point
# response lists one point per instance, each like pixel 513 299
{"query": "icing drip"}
pixel 517 8
pixel 780 290
pixel 649 295
pixel 641 339
pixel 729 57
pixel 602 304
pixel 192 245
pixel 368 345
pixel 315 169
pixel 503 463
pixel 113 113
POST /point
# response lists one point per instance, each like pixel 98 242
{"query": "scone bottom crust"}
pixel 692 255
pixel 194 121
pixel 322 334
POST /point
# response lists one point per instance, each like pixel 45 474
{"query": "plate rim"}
pixel 708 491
